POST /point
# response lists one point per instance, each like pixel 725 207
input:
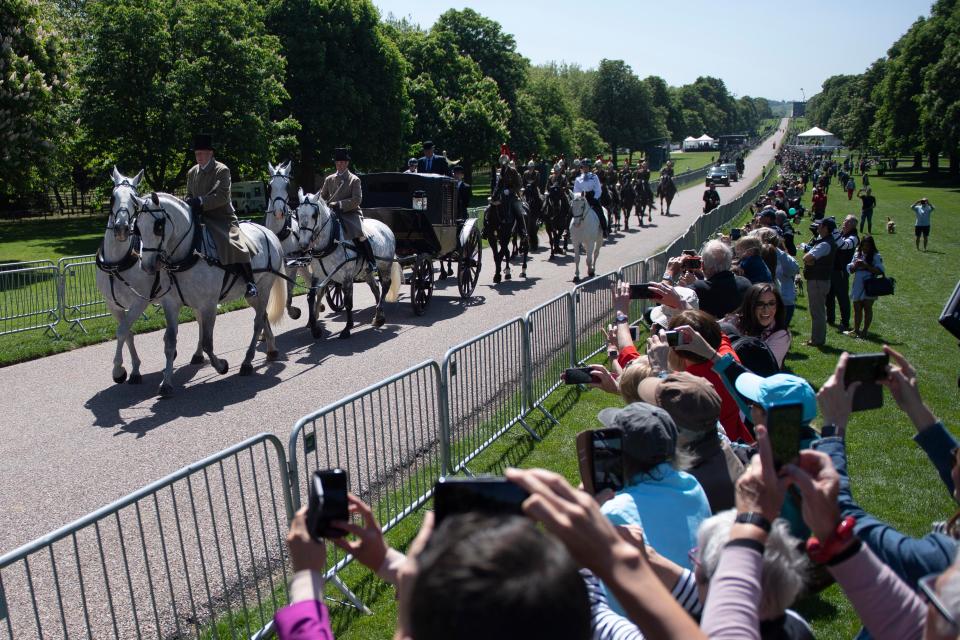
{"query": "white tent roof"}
pixel 705 138
pixel 689 139
pixel 816 132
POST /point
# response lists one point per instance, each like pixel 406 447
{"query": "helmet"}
pixel 576 162
pixel 531 164
pixel 411 162
pixel 504 159
pixel 598 164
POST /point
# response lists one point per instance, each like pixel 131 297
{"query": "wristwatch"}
pixel 755 519
pixel 622 317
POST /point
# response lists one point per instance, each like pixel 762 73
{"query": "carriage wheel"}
pixel 468 271
pixel 335 296
pixel 421 285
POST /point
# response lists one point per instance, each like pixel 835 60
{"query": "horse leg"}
pixel 348 306
pixel 506 270
pixel 523 269
pixel 576 263
pixel 209 316
pixel 260 325
pixel 169 349
pixel 313 310
pixel 123 331
pixel 292 311
pixel 379 293
pixel 197 357
pixel 495 248
pixel 593 263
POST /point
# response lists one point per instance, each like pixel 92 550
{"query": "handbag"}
pixel 879 286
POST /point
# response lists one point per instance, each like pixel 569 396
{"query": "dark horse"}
pixel 644 202
pixel 666 190
pixel 499 228
pixel 628 197
pixel 556 217
pixel 610 198
pixel 531 195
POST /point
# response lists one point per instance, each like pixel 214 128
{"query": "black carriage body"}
pixel 389 198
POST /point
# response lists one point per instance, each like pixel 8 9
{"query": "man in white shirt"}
pixel 922 208
pixel 588 184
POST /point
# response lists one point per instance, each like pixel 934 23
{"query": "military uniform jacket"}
pixel 345 193
pixel 510 179
pixel 212 185
pixel 532 175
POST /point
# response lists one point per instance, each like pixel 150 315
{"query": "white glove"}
pixel 506 192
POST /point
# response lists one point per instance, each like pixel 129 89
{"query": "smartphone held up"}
pixel 327 503
pixel 868 369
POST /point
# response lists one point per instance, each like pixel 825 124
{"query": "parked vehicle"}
pixel 249 197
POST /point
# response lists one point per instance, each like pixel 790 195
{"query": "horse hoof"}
pixel 322 308
pixel 523 274
pixel 378 321
pixel 222 369
pixel 120 377
pixel 508 277
pixel 317 332
pixel 273 356
pixel 344 334
pixel 135 378
pixel 246 369
pixel 166 390
pixel 591 274
pixel 496 278
pixel 294 313
pixel 197 358
pixel 576 279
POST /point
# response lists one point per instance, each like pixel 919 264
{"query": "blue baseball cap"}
pixel 781 388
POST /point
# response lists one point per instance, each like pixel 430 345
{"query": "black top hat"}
pixel 202 142
pixel 428 144
pixel 458 169
pixel 341 153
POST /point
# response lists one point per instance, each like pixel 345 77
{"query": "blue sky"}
pixel 768 49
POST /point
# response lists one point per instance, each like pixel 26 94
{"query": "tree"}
pixel 940 117
pixel 156 71
pixel 557 111
pixel 587 142
pixel 345 79
pixel 32 83
pixel 622 107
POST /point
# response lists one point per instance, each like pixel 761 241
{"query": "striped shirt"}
pixel 607 624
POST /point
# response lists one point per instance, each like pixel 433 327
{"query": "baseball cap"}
pixel 690 400
pixel 661 314
pixel 649 433
pixel 780 388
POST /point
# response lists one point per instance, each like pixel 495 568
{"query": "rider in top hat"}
pixel 588 184
pixel 341 191
pixel 208 194
pixel 431 162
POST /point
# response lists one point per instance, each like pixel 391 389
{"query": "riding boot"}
pixel 604 223
pixel 366 252
pixel 246 272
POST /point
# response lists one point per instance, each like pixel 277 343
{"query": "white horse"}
pixel 282 220
pixel 126 287
pixel 336 260
pixel 585 233
pixel 168 233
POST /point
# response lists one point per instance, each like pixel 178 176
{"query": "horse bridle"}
pixel 132 218
pixel 286 202
pixel 317 229
pixel 160 229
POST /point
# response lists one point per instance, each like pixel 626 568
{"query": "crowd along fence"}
pixel 200 552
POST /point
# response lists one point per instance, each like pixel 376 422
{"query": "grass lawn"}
pixel 50 238
pixel 885 465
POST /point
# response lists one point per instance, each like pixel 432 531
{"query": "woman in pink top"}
pixel 763 315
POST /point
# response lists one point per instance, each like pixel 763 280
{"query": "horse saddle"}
pixel 237 238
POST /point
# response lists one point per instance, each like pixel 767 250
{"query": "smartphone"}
pixel 580 375
pixel 867 369
pixel 600 456
pixel 492 496
pixel 688 252
pixel 784 422
pixel 327 502
pixel 735 234
pixel 674 338
pixel 692 263
pixel 642 292
pixel 634 333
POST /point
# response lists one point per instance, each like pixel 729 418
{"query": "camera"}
pixel 674 338
pixel 692 263
pixel 643 292
pixel 579 375
pixel 327 503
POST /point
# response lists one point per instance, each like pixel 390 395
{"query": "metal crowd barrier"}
pixel 593 309
pixel 387 437
pixel 81 299
pixel 484 390
pixel 199 553
pixel 635 273
pixel 29 297
pixel 550 339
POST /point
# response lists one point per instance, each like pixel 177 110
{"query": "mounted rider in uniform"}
pixel 509 186
pixel 558 177
pixel 341 191
pixel 208 194
pixel 588 184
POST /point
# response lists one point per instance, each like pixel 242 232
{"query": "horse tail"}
pixel 396 277
pixel 277 302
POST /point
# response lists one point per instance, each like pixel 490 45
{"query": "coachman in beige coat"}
pixel 341 191
pixel 208 194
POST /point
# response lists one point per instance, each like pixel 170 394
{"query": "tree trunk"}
pixel 934 160
pixel 613 153
pixel 917 160
pixel 467 170
pixel 955 162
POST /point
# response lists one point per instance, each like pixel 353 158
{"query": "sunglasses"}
pixel 928 589
pixel 765 305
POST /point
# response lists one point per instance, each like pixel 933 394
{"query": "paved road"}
pixel 71 440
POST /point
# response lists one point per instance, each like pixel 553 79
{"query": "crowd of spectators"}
pixel 714 534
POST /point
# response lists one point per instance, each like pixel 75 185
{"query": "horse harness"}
pixel 287 229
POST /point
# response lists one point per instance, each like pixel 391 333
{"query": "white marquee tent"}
pixel 818 137
pixel 703 142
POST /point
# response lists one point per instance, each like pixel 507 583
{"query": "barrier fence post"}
pixel 549 349
pixel 29 297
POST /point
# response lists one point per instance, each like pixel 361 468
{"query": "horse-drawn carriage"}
pixel 421 211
